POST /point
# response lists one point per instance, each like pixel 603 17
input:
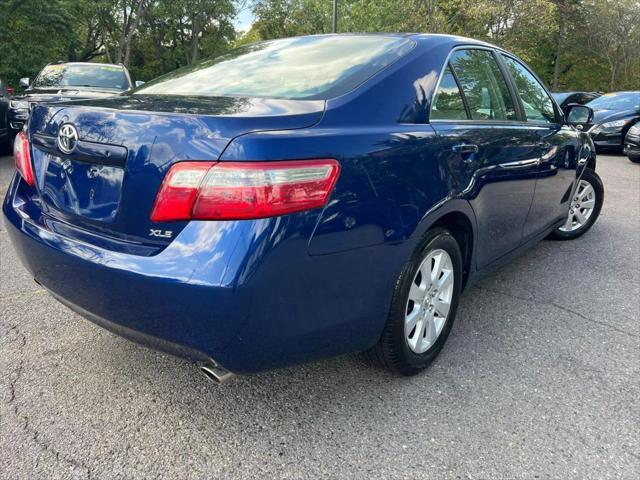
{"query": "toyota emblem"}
pixel 67 138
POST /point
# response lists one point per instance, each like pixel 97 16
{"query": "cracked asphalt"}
pixel 540 378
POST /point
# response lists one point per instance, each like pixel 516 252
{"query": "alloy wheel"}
pixel 582 206
pixel 429 301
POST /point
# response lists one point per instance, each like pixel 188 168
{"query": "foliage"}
pixel 24 43
pixel 151 37
pixel 571 44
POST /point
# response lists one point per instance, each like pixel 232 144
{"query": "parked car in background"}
pixel 67 81
pixel 299 198
pixel 4 109
pixel 632 143
pixel 614 114
pixel 581 98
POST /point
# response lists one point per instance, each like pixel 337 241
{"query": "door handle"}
pixel 466 151
pixel 547 150
pixel 465 148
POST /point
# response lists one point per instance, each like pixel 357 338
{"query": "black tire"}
pixel 392 351
pixel 594 180
pixel 634 158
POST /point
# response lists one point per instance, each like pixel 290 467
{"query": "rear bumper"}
pixel 139 337
pixel 246 295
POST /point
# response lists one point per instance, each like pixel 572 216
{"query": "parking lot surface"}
pixel 540 378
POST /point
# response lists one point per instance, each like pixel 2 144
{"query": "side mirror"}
pixel 139 83
pixel 24 82
pixel 578 115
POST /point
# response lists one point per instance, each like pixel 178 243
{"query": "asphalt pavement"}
pixel 540 378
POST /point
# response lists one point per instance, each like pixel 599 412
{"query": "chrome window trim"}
pixel 557 110
pixel 493 51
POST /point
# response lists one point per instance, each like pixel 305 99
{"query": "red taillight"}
pixel 243 190
pixel 22 157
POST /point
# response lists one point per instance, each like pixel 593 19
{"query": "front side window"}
pixel 483 85
pixel 312 68
pixel 538 106
pixel 448 104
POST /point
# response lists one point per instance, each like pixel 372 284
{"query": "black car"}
pixel 582 98
pixel 67 81
pixel 632 143
pixel 613 115
pixel 4 107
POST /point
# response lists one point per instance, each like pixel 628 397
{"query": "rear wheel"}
pixel 634 158
pixel 423 308
pixel 584 209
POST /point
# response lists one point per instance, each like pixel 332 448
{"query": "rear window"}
pixel 95 76
pixel 313 68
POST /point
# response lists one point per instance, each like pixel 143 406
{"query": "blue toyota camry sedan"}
pixel 299 198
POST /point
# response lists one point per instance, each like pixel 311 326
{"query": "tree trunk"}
pixel 195 39
pixel 129 28
pixel 561 32
pixel 614 75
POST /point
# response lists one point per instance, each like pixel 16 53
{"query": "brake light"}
pixel 22 157
pixel 243 190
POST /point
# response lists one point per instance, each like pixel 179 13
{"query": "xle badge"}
pixel 160 233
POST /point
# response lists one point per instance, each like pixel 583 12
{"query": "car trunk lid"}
pixel 107 182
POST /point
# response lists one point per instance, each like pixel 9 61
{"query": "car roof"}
pixel 453 39
pixel 421 38
pixel 89 63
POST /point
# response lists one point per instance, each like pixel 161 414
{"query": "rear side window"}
pixel 448 104
pixel 483 85
pixel 312 68
pixel 538 106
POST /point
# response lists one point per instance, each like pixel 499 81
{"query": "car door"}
pixel 493 153
pixel 559 144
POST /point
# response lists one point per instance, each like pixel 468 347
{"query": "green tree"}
pixel 34 32
pixel 614 37
pixel 571 44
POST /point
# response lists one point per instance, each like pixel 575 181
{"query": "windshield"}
pixel 617 101
pixel 69 75
pixel 317 67
pixel 560 97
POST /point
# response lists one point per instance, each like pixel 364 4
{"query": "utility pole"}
pixel 335 16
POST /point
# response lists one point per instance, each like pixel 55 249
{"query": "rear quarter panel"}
pixel 393 178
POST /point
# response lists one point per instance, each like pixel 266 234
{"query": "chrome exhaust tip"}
pixel 216 373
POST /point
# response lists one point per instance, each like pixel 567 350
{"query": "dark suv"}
pixel 67 81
